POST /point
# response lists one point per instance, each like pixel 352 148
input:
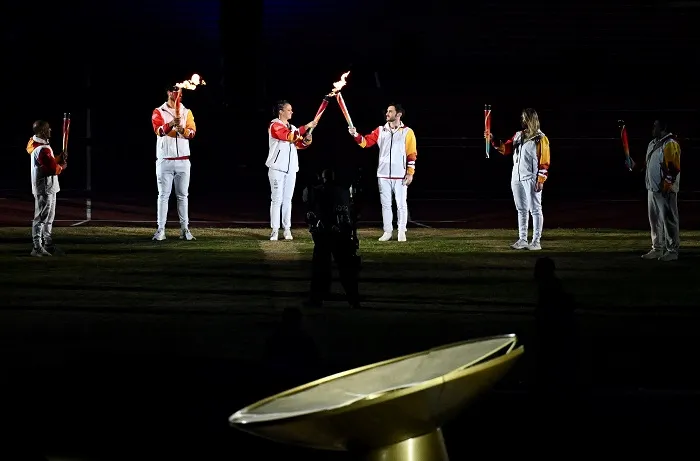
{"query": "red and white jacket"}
pixel 397 150
pixel 171 145
pixel 284 141
pixel 531 156
pixel 45 167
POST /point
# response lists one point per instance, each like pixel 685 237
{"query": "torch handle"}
pixel 66 132
pixel 319 112
pixel 344 108
pixel 487 127
pixel 625 145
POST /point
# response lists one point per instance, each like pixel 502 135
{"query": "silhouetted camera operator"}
pixel 332 222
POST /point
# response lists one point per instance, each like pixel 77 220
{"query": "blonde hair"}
pixel 531 121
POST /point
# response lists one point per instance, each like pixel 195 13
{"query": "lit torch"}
pixel 487 127
pixel 190 84
pixel 66 132
pixel 336 88
pixel 625 145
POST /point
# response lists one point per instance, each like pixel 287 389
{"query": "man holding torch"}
pixel 45 168
pixel 397 163
pixel 283 165
pixel 174 126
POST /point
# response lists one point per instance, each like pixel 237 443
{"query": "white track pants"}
pixel 399 191
pixel 44 214
pixel 282 189
pixel 663 220
pixel 528 202
pixel 169 173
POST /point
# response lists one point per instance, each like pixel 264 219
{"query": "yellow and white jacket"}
pixel 397 150
pixel 170 144
pixel 663 165
pixel 531 156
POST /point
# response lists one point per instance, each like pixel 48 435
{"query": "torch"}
pixel 336 88
pixel 66 132
pixel 487 127
pixel 190 84
pixel 625 144
pixel 344 108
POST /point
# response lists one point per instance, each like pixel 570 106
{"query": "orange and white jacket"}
pixel 531 156
pixel 397 150
pixel 45 167
pixel 284 141
pixel 663 165
pixel 170 144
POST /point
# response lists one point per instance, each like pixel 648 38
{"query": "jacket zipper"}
pixel 391 147
pixel 520 153
pixel 289 158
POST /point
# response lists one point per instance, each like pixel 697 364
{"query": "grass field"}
pixel 454 269
pixel 130 343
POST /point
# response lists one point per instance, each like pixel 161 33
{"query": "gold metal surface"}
pixel 428 447
pixel 396 424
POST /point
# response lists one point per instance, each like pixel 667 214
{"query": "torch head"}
pixel 337 86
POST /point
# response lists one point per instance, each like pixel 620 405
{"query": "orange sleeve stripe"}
pixel 190 126
pixel 543 156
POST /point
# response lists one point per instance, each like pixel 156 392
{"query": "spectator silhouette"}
pixel 291 356
pixel 556 342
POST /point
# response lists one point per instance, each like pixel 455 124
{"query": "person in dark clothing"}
pixel 333 225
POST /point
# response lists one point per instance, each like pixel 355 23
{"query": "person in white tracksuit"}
pixel 174 127
pixel 531 158
pixel 45 169
pixel 397 163
pixel 283 165
pixel 662 178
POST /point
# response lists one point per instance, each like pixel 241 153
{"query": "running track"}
pixel 460 212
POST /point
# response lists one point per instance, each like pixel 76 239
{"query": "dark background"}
pixel 582 66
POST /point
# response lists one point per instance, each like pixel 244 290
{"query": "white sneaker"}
pixel 534 246
pixel 288 234
pixel 274 235
pixel 385 236
pixel 669 256
pixel 40 252
pixel 653 254
pixel 520 245
pixel 159 235
pixel 185 234
pixel 402 236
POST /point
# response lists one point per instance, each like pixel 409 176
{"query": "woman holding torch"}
pixel 530 150
pixel 283 164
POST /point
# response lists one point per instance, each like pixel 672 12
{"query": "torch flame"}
pixel 192 83
pixel 337 86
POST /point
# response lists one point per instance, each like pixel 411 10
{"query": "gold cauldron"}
pixel 387 411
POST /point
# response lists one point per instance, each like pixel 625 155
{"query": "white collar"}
pixel 387 126
pixel 166 107
pixel 39 140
